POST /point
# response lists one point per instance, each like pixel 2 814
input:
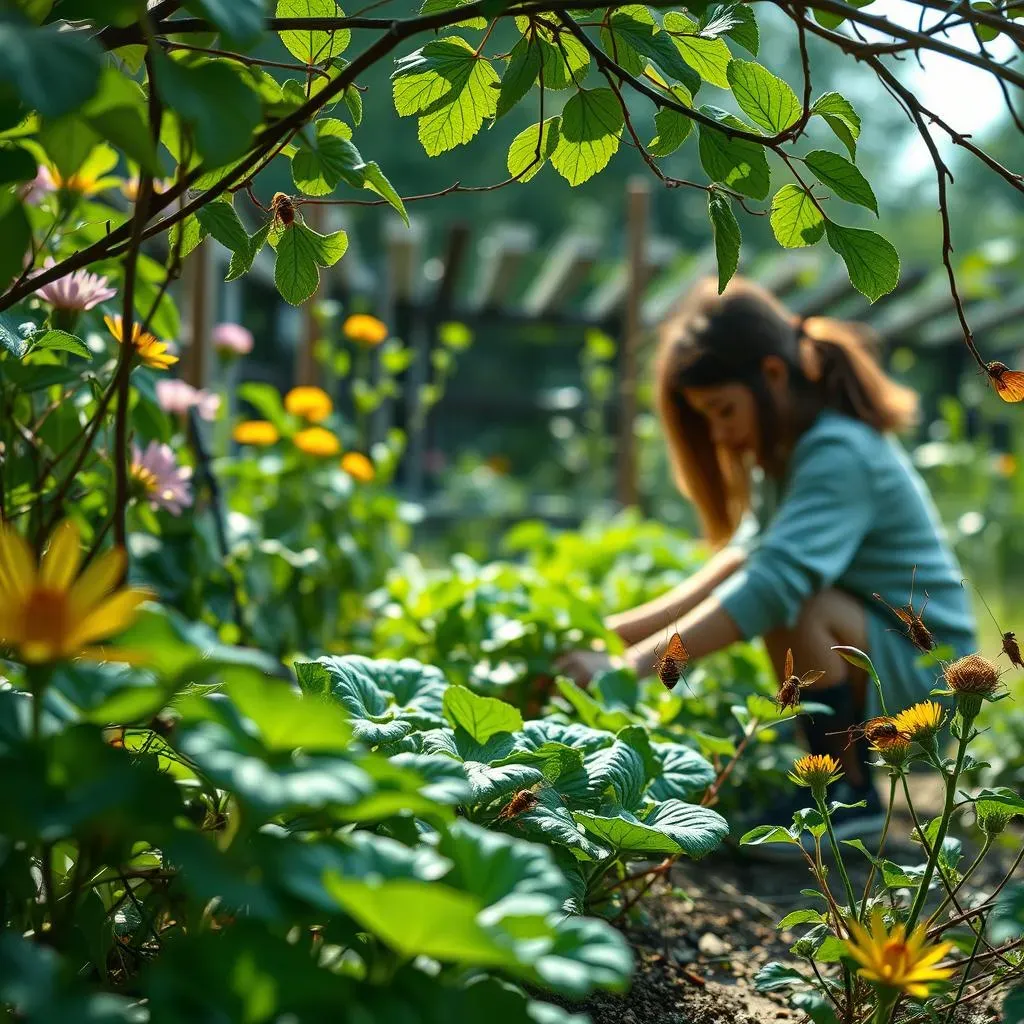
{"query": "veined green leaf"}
pixel 764 97
pixel 531 149
pixel 872 262
pixel 481 717
pixel 522 71
pixel 708 57
pixel 313 46
pixel 727 236
pixel 844 178
pixel 738 163
pixel 796 220
pixel 588 134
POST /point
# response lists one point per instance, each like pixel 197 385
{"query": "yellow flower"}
pixel 365 329
pixel 1006 464
pixel 894 961
pixel 921 721
pixel 151 351
pixel 358 466
pixel 317 441
pixel 49 612
pixel 311 404
pixel 260 433
pixel 815 771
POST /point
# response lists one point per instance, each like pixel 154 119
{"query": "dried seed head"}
pixel 973 673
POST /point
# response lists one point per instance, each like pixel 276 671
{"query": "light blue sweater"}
pixel 852 513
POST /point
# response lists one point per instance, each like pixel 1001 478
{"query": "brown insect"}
pixel 1011 648
pixel 876 730
pixel 917 632
pixel 283 209
pixel 523 801
pixel 669 666
pixel 791 685
pixel 1009 384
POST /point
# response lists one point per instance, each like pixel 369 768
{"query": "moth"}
pixel 669 666
pixel 1011 648
pixel 917 632
pixel 524 800
pixel 791 685
pixel 875 730
pixel 1008 384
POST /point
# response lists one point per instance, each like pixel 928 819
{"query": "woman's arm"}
pixel 703 630
pixel 648 619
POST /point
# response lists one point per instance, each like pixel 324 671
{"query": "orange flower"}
pixel 311 404
pixel 358 466
pixel 150 350
pixel 317 441
pixel 259 433
pixel 365 329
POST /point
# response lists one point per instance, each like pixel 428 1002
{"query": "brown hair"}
pixel 711 339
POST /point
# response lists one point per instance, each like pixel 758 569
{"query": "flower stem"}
pixel 884 1006
pixel 893 780
pixel 947 812
pixel 850 895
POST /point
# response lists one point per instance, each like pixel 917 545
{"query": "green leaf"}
pixel 1013 1006
pixel 354 104
pixel 16 232
pixel 191 233
pixel 618 771
pixel 795 219
pixel 61 341
pixel 588 135
pixel 295 269
pixel 241 21
pixel 53 72
pixel 682 772
pixel 587 952
pixel 242 259
pixel 326 249
pixel 635 27
pixel 221 221
pixel 68 141
pixel 16 164
pixel 845 180
pixel 481 717
pixel 564 64
pixel 871 260
pixel 120 115
pixel 324 156
pixel 522 71
pixel 830 951
pixel 766 834
pixel 726 230
pixel 405 915
pixel 806 916
pixel 531 149
pixel 222 129
pixel 314 679
pixel 374 180
pixel 437 6
pixel 737 163
pixel 744 28
pixel 451 88
pixel 626 834
pixel 697 830
pixel 839 115
pixel 313 46
pixel 764 97
pixel 708 57
pixel 11 338
pixel 673 130
pixel 774 976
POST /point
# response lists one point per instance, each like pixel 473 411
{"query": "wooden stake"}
pixel 637 212
pixel 200 307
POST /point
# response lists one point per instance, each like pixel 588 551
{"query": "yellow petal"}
pixel 933 956
pixel 17 567
pixel 119 655
pixel 98 580
pixel 113 616
pixel 916 991
pixel 62 558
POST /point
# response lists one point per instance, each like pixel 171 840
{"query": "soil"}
pixel 702 935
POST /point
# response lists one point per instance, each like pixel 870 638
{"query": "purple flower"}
pixel 39 187
pixel 78 291
pixel 163 483
pixel 178 396
pixel 233 339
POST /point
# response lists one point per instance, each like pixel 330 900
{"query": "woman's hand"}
pixel 582 666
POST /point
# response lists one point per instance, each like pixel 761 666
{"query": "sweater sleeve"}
pixel 820 523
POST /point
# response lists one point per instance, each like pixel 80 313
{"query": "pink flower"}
pixel 163 483
pixel 233 338
pixel 39 187
pixel 178 396
pixel 79 291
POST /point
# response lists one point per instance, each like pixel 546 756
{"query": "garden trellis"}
pixel 498 278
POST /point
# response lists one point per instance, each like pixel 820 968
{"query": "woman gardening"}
pixel 752 398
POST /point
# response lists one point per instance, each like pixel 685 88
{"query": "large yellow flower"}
pixel 895 961
pixel 313 404
pixel 317 441
pixel 260 433
pixel 150 350
pixel 51 613
pixel 921 721
pixel 365 329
